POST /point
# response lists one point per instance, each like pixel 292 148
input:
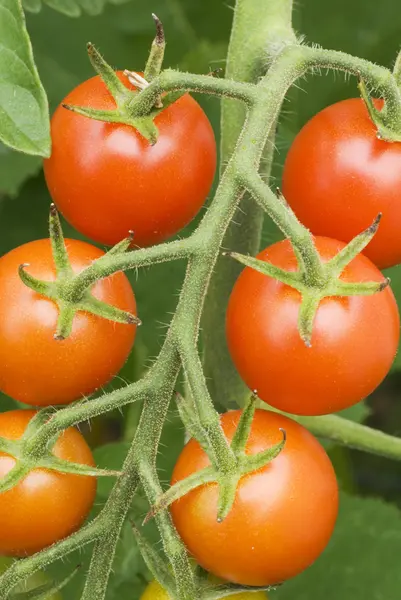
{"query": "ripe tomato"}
pixel 45 506
pixel 34 581
pixel 107 179
pixel 154 591
pixel 338 176
pixel 354 339
pixel 34 367
pixel 282 517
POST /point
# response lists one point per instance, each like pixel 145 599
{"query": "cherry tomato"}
pixel 338 176
pixel 34 581
pixel 283 514
pixel 107 179
pixel 34 367
pixel 154 591
pixel 354 339
pixel 45 506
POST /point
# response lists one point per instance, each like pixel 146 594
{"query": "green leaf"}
pixel 360 561
pixel 24 117
pixel 70 8
pixel 15 168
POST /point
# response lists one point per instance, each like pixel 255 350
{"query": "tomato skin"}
pixel 154 591
pixel 107 179
pixel 45 506
pixel 34 367
pixel 338 177
pixel 354 339
pixel 283 515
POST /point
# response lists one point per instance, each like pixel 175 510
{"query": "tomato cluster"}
pixel 107 179
pixel 338 177
pixel 354 343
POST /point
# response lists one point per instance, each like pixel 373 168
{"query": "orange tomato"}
pixel 45 506
pixel 283 514
pixel 354 338
pixel 107 179
pixel 34 367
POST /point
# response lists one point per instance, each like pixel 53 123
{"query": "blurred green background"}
pixel 362 559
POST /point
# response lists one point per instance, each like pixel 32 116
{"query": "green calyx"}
pixel 67 291
pixel 387 120
pixel 227 479
pixel 28 456
pixel 129 107
pixel 318 280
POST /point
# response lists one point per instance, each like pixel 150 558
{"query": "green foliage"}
pixel 70 8
pixel 24 121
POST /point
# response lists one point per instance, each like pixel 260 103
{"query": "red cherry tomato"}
pixel 339 176
pixel 45 506
pixel 283 515
pixel 354 339
pixel 34 367
pixel 107 179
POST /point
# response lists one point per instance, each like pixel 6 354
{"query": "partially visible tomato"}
pixel 154 591
pixel 283 514
pixel 107 179
pixel 45 506
pixel 34 581
pixel 338 176
pixel 354 339
pixel 34 367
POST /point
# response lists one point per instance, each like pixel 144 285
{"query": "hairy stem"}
pixel 259 30
pixel 353 435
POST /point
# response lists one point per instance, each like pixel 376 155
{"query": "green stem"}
pixel 111 263
pixel 190 420
pixel 88 409
pixel 301 240
pixel 220 453
pixel 171 81
pixel 155 563
pixel 146 443
pixel 22 569
pixel 259 30
pixel 353 435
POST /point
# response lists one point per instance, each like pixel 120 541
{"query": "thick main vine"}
pixel 263 101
